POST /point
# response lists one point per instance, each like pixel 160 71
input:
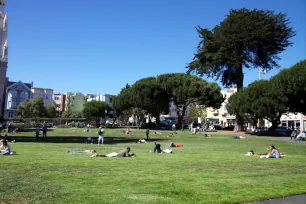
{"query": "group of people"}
pixel 44 130
pixel 296 135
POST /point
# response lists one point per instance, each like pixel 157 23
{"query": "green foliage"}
pixel 32 108
pixel 50 111
pixel 95 109
pixel 245 38
pixel 146 94
pixel 71 114
pixel 198 112
pixel 258 100
pixel 290 85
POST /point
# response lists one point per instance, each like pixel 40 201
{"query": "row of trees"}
pixel 35 108
pixel 269 99
pixel 154 94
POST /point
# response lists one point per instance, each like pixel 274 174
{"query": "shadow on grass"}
pixel 77 139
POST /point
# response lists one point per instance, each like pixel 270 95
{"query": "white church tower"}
pixel 3 52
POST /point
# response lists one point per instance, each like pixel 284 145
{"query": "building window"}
pixel 10 114
pixel 47 97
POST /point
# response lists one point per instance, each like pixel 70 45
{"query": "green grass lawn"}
pixel 206 170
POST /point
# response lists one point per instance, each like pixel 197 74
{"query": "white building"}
pixel 106 98
pixel 294 120
pixel 221 115
pixel 45 94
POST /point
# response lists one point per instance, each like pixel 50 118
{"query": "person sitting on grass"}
pixel 273 153
pixel 122 153
pixel 81 151
pixel 175 145
pixel 301 136
pixel 157 149
pixel 89 140
pixel 5 148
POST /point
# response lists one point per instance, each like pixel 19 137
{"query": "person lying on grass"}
pixel 126 132
pixel 157 149
pixel 141 141
pixel 122 153
pixel 175 145
pixel 205 135
pixel 81 151
pixel 5 148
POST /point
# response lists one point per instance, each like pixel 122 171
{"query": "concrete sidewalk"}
pixel 297 199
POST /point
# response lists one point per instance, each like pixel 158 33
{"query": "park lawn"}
pixel 206 170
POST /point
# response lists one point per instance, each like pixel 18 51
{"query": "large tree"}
pixel 96 109
pixel 147 94
pixel 185 90
pixel 244 39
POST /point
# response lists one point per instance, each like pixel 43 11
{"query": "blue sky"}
pixel 97 46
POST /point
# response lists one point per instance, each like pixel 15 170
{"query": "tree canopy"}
pixel 269 99
pixel 185 89
pixel 245 38
pixel 95 109
pixel 290 85
pixel 35 108
pixel 154 94
pixel 145 94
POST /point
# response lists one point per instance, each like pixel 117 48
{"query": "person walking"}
pixel 183 126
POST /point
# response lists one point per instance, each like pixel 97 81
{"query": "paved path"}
pixel 297 199
pixel 286 139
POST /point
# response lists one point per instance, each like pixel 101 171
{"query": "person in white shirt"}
pixel 173 127
pixel 5 148
pixel 301 136
pixel 101 136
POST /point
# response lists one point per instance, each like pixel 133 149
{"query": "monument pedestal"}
pixel 3 81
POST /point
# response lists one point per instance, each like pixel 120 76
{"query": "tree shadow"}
pixel 78 139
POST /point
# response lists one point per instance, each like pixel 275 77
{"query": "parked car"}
pixel 218 127
pixel 279 131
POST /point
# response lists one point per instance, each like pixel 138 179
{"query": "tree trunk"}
pixel 239 83
pixel 275 122
pixel 181 116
